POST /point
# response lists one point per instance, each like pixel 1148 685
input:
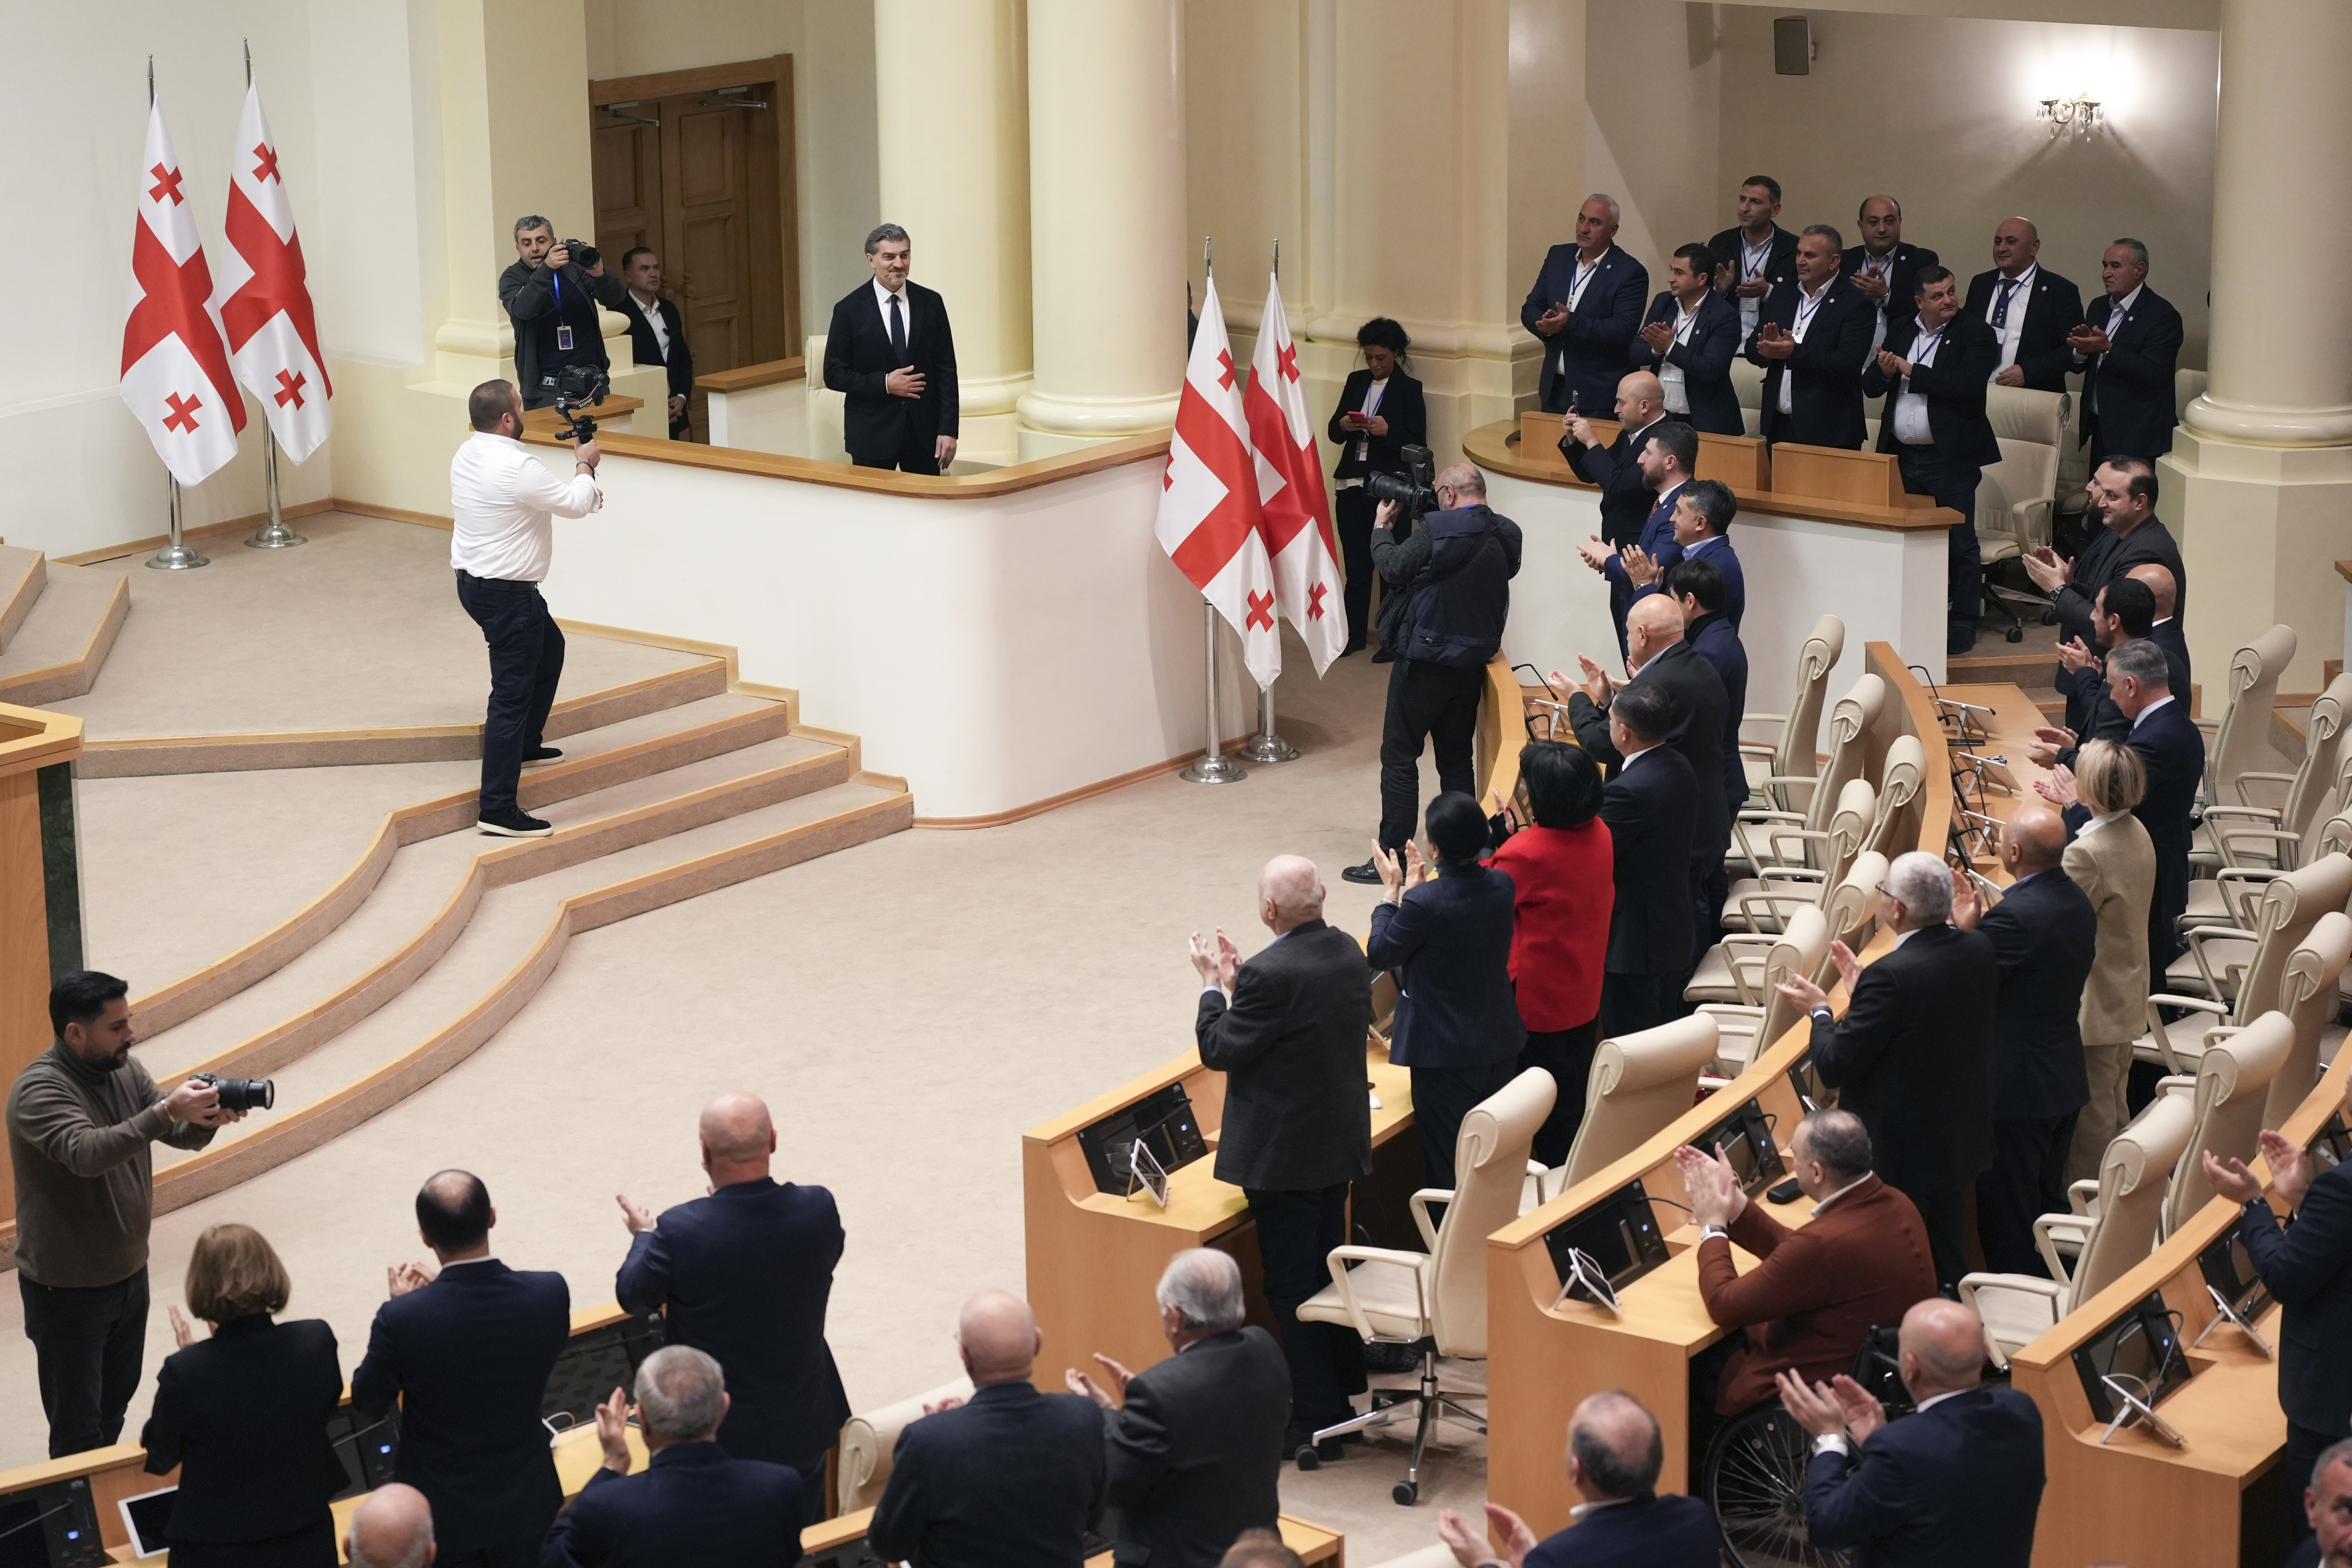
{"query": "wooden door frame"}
pixel 777 69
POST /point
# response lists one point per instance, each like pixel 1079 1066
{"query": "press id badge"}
pixel 563 338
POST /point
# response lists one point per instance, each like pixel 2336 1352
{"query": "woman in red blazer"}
pixel 1564 870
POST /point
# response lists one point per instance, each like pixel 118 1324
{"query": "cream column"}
pixel 2264 462
pixel 952 125
pixel 1107 246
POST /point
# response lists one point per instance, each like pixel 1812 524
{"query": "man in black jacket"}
pixel 2124 609
pixel 1697 584
pixel 1652 806
pixel 1912 1057
pixel 2121 498
pixel 1627 496
pixel 1660 468
pixel 658 332
pixel 1884 268
pixel 467 1352
pixel 1008 1478
pixel 2028 308
pixel 1195 1441
pixel 552 299
pixel 1932 372
pixel 890 351
pixel 1813 340
pixel 745 1275
pixel 1584 308
pixel 1756 256
pixel 1688 340
pixel 1287 1031
pixel 2127 345
pixel 2044 934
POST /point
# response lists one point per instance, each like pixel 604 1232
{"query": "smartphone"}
pixel 1786 1192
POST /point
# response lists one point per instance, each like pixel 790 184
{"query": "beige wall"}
pixel 1652 85
pixel 1246 134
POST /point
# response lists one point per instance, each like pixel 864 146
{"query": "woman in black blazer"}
pixel 1372 443
pixel 244 1414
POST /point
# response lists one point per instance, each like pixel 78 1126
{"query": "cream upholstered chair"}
pixel 1748 385
pixel 2243 733
pixel 2015 495
pixel 1762 1014
pixel 2309 996
pixel 871 1438
pixel 1852 905
pixel 2134 1175
pixel 2251 842
pixel 1854 712
pixel 2233 971
pixel 1781 772
pixel 2231 1092
pixel 1436 1300
pixel 1639 1082
pixel 1898 785
pixel 1760 903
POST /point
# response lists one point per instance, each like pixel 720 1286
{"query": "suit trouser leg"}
pixel 549 675
pixel 521 1552
pixel 1454 730
pixel 1442 1096
pixel 1567 1055
pixel 2109 1068
pixel 918 453
pixel 1352 513
pixel 515 627
pixel 86 1345
pixel 1632 1002
pixel 1945 1215
pixel 2027 1180
pixel 1433 701
pixel 1925 473
pixel 1296 1234
pixel 2164 918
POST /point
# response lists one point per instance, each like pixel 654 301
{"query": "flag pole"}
pixel 1266 746
pixel 1212 766
pixel 178 555
pixel 273 534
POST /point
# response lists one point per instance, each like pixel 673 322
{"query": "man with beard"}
pixel 81 1119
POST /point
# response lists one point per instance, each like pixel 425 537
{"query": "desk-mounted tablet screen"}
pixel 1620 1233
pixel 594 1364
pixel 2231 1273
pixel 1813 1094
pixel 2143 1345
pixel 2333 1144
pixel 1163 1117
pixel 55 1526
pixel 1745 1139
pixel 145 1518
pixel 366 1453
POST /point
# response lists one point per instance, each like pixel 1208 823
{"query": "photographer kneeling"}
pixel 550 295
pixel 1447 592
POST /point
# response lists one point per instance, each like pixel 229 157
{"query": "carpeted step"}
pixel 22 574
pixel 60 646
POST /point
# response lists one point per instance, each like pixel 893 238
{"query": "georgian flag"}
pixel 265 298
pixel 1210 522
pixel 1297 511
pixel 175 374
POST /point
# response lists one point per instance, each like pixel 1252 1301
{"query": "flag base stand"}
pixel 1212 767
pixel 179 555
pixel 1266 746
pixel 273 534
pixel 1215 768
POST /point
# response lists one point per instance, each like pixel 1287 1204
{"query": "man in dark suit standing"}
pixel 1652 806
pixel 1688 340
pixel 1614 1455
pixel 1195 1441
pixel 1287 1031
pixel 2044 934
pixel 1628 498
pixel 1885 269
pixel 1756 254
pixel 1932 370
pixel 2124 609
pixel 1661 467
pixel 1008 1478
pixel 2029 310
pixel 2121 499
pixel 1699 589
pixel 2164 624
pixel 1813 340
pixel 693 1502
pixel 1585 306
pixel 1449 940
pixel 657 333
pixel 2127 346
pixel 1954 1484
pixel 1912 1057
pixel 1703 512
pixel 467 1352
pixel 890 351
pixel 745 1276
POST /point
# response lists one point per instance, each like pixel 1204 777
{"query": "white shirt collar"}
pixel 1844 1190
pixel 882 298
pixel 2159 621
pixel 1903 936
pixel 1815 294
pixel 466 1262
pixel 1583 1511
pixel 2124 304
pixel 2151 707
pixel 1934 1400
pixel 1627 759
pixel 2022 280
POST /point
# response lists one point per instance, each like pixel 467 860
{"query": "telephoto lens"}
pixel 241 1093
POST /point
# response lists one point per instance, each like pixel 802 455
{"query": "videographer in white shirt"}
pixel 505 504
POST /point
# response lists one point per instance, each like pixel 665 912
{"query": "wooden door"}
pixel 707 226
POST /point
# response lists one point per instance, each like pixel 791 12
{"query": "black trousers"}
pixel 1567 1055
pixel 1428 701
pixel 521 1552
pixel 1945 1215
pixel 312 1546
pixel 1296 1234
pixel 1632 1002
pixel 1710 891
pixel 1353 510
pixel 2304 1446
pixel 917 454
pixel 1442 1096
pixel 2028 1179
pixel 1925 473
pixel 86 1345
pixel 526 661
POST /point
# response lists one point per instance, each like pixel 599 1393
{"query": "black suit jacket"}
pixel 2172 750
pixel 1650 1531
pixel 859 357
pixel 1705 359
pixel 680 363
pixel 1011 1478
pixel 2108 557
pixel 745 1275
pixel 1958 1486
pixel 1780 263
pixel 1195 1450
pixel 1593 338
pixel 1700 708
pixel 1953 387
pixel 1912 1058
pixel 1717 642
pixel 1626 497
pixel 1825 395
pixel 1902 277
pixel 2308 1268
pixel 2044 932
pixel 1652 808
pixel 244 1414
pixel 529 294
pixel 1291 1045
pixel 2054 307
pixel 1400 404
pixel 467 1357
pixel 1451 939
pixel 2090 711
pixel 691 1503
pixel 2128 400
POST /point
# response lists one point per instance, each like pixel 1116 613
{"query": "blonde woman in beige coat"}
pixel 2113 861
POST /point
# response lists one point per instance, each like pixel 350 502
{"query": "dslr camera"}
pixel 241 1093
pixel 586 255
pixel 579 386
pixel 1415 489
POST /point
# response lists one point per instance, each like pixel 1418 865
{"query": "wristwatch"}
pixel 1707 1232
pixel 1823 1012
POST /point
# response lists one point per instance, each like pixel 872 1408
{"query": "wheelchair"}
pixel 1754 1473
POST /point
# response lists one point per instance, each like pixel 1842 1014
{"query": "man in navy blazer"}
pixel 1585 306
pixel 1954 1484
pixel 1700 588
pixel 1696 705
pixel 2028 308
pixel 1703 512
pixel 1688 340
pixel 1661 466
pixel 1652 806
pixel 2126 347
pixel 693 1502
pixel 467 1352
pixel 899 375
pixel 1449 939
pixel 1813 342
pixel 1882 266
pixel 1614 1455
pixel 745 1276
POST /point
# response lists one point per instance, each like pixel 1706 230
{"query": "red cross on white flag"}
pixel 265 296
pixel 175 374
pixel 1297 511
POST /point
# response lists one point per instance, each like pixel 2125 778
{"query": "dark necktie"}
pixel 2000 306
pixel 897 331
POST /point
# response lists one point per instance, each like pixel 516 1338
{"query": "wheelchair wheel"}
pixel 1754 1478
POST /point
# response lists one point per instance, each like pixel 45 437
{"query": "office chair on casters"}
pixel 1436 1300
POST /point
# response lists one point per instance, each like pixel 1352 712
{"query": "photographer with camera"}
pixel 81 1119
pixel 1447 594
pixel 550 295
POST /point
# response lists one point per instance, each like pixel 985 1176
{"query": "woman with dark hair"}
pixel 1380 414
pixel 1563 872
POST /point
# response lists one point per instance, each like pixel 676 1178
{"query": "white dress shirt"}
pixel 505 504
pixel 1579 278
pixel 1373 395
pixel 2012 331
pixel 651 312
pixel 1883 268
pixel 1808 304
pixel 1669 374
pixel 1911 407
pixel 882 298
pixel 1752 262
pixel 2116 310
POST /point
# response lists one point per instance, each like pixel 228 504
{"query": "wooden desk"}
pixel 1094 1259
pixel 1314 1544
pixel 1737 460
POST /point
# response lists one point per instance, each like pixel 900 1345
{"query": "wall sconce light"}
pixel 2077 115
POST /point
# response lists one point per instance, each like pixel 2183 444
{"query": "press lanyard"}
pixel 1684 322
pixel 1751 261
pixel 1920 348
pixel 1805 308
pixel 1583 275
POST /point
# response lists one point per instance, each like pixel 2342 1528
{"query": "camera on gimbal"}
pixel 582 386
pixel 1415 489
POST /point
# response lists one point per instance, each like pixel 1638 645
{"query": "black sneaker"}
pixel 1369 871
pixel 512 824
pixel 541 754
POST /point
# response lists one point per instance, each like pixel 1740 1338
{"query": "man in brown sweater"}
pixel 81 1119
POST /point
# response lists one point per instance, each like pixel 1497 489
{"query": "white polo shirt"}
pixel 505 504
